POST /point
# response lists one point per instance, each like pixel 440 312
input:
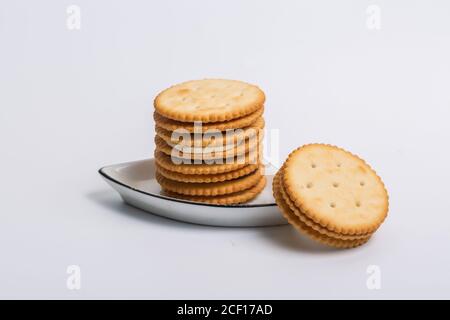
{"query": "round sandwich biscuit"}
pixel 206 178
pixel 209 100
pixel 226 199
pixel 186 166
pixel 335 189
pixel 211 189
pixel 217 138
pixel 242 122
pixel 208 153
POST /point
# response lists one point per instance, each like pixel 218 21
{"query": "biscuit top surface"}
pixel 335 188
pixel 209 100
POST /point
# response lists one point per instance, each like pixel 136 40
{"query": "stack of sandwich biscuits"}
pixel 208 141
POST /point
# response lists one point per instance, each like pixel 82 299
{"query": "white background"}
pixel 73 101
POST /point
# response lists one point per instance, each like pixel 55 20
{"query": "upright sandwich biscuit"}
pixel 331 195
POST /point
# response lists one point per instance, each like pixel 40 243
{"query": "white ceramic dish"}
pixel 136 184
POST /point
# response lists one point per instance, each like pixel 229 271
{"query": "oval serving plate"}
pixel 136 184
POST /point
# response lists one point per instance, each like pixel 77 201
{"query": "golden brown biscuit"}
pixel 206 178
pixel 166 162
pixel 221 152
pixel 219 138
pixel 211 189
pixel 226 199
pixel 335 189
pixel 209 100
pixel 242 122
